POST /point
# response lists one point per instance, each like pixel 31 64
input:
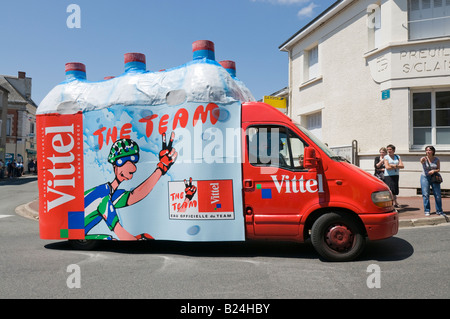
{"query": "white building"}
pixel 377 72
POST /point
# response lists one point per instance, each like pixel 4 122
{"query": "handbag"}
pixel 379 175
pixel 436 178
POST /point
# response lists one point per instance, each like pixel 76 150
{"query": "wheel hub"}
pixel 339 237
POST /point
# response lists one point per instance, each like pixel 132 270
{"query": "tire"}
pixel 84 244
pixel 337 237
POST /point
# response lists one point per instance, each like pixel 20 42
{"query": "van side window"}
pixel 274 146
pixel 297 149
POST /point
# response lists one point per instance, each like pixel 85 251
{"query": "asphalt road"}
pixel 413 264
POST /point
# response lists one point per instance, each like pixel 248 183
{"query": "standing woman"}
pixel 379 164
pixel 431 164
pixel 392 164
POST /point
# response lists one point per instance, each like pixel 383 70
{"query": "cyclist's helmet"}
pixel 122 151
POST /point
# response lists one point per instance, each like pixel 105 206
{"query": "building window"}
pixel 313 63
pixel 428 18
pixel 314 124
pixel 8 126
pixel 431 118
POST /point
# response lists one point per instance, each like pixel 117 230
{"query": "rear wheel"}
pixel 337 237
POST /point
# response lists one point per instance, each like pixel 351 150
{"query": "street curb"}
pixel 426 221
pixel 25 210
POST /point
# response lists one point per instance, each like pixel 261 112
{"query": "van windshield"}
pixel 321 145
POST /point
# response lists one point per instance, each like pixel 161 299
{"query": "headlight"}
pixel 382 199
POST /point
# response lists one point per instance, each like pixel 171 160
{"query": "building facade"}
pixel 18 123
pixel 373 73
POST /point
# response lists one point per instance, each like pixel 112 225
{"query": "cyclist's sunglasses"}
pixel 132 158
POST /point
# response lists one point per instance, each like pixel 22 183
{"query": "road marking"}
pixel 3 216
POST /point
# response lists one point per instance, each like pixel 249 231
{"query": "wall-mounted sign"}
pixel 276 101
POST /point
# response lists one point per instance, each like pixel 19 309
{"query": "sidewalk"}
pixel 411 212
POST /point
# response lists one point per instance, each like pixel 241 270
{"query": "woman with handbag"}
pixel 379 164
pixel 430 177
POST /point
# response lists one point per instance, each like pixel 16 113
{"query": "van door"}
pixel 275 181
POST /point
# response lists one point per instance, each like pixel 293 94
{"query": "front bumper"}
pixel 380 226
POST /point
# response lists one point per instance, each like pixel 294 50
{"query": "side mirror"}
pixel 309 158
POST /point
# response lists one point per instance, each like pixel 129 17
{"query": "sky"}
pixel 39 37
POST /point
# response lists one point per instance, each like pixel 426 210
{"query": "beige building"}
pixel 373 73
pixel 18 123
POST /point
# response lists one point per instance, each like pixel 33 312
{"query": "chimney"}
pixel 22 75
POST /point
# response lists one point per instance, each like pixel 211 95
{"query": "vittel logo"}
pixel 215 194
pixel 298 185
pixel 63 168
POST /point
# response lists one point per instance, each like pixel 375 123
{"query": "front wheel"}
pixel 337 237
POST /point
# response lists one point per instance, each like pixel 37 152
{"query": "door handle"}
pixel 249 185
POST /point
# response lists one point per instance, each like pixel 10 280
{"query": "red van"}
pixel 148 155
pixel 319 196
pixel 295 189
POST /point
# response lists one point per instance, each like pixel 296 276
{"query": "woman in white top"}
pixel 392 165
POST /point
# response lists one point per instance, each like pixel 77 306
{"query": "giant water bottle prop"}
pixel 144 154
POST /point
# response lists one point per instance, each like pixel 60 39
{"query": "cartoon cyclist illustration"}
pixel 101 202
